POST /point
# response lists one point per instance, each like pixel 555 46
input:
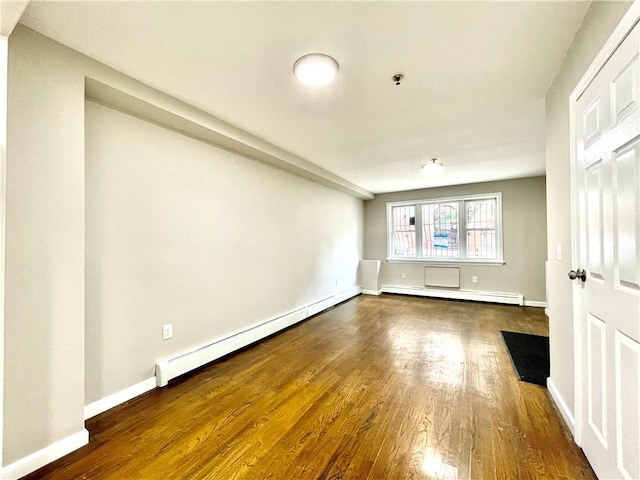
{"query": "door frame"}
pixel 629 20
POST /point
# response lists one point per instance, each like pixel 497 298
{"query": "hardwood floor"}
pixel 388 387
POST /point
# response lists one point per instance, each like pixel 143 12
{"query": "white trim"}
pixel 118 398
pixel 547 312
pixel 46 455
pixel 497 297
pixel 372 292
pixel 615 39
pixel 447 263
pixel 575 304
pixel 535 303
pixel 454 198
pixel 173 367
pixel 563 408
pixel 4 52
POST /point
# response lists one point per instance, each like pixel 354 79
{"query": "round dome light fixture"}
pixel 432 168
pixel 315 69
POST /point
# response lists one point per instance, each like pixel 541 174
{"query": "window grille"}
pixel 463 228
pixel 404 231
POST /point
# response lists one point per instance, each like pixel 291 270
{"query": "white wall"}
pixel 180 232
pixel 170 208
pixel 597 26
pixel 524 234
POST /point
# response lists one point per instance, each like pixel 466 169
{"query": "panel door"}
pixel 607 172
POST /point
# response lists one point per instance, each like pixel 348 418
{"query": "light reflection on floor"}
pixel 435 467
pixel 443 353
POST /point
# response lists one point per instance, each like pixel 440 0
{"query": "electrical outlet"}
pixel 167 331
pixel 404 275
pixel 474 279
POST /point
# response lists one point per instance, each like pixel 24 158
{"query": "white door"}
pixel 607 172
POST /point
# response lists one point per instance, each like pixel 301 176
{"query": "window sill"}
pixel 446 262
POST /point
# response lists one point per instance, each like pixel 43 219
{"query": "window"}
pixel 465 229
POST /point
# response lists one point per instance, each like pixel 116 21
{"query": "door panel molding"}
pixel 627 353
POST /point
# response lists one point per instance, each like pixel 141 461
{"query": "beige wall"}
pixel 524 233
pixel 186 195
pixel 44 286
pixel 598 24
pixel 180 232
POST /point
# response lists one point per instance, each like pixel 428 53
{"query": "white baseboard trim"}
pixel 173 367
pixel 118 398
pixel 372 292
pixel 508 298
pixel 546 311
pixel 568 417
pixel 535 303
pixel 42 457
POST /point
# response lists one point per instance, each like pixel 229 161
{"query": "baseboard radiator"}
pixel 498 297
pixel 171 368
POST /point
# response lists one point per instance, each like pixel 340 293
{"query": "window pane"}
pixel 481 244
pixel 440 230
pixel 481 228
pixel 481 214
pixel 404 231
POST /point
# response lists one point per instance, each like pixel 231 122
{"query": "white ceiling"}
pixel 473 95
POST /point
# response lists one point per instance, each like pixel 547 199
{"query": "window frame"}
pixel 462 230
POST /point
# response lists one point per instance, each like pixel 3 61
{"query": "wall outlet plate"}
pixel 167 331
pixel 474 279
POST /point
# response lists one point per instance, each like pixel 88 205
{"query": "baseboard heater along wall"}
pixel 171 368
pixel 444 282
pixel 497 297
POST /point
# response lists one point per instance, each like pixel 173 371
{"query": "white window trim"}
pixel 499 260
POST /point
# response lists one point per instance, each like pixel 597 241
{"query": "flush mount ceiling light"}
pixel 432 168
pixel 315 69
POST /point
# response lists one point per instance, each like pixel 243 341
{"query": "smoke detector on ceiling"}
pixel 397 78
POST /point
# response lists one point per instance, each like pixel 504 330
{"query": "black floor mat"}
pixel 529 355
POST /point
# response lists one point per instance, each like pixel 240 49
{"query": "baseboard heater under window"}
pixel 174 367
pixel 497 297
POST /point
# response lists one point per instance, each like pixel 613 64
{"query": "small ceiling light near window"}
pixel 315 69
pixel 432 168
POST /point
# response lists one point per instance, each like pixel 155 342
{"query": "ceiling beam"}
pixel 171 113
pixel 10 14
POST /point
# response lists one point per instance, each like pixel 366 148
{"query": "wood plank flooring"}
pixel 388 387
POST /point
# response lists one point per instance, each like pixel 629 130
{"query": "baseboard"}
pixel 508 298
pixel 567 416
pixel 173 367
pixel 42 457
pixel 321 305
pixel 372 292
pixel 535 303
pixel 118 398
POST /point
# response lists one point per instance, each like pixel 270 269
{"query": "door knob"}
pixel 581 274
